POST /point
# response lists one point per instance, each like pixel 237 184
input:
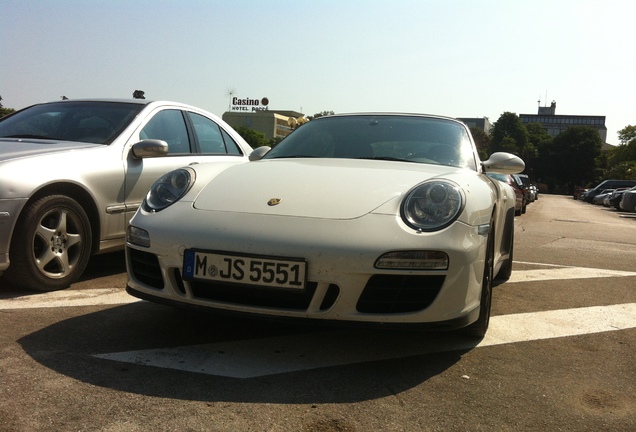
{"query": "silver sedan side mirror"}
pixel 150 148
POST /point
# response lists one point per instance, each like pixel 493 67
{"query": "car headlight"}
pixel 169 189
pixel 432 205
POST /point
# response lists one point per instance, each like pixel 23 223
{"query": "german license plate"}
pixel 246 270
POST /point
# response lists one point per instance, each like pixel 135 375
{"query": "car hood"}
pixel 318 188
pixel 13 148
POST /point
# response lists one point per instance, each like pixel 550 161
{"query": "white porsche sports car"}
pixel 366 218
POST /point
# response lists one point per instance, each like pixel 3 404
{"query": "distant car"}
pixel 600 198
pixel 520 199
pixel 578 192
pixel 615 198
pixel 529 191
pixel 366 218
pixel 73 172
pixel 589 195
pixel 628 201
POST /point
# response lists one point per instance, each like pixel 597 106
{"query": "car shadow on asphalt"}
pixel 104 265
pixel 75 347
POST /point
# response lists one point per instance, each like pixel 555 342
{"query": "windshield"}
pixel 82 121
pixel 381 137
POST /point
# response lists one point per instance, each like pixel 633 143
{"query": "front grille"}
pixel 260 296
pixel 145 268
pixel 399 293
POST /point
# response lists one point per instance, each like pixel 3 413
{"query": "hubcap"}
pixel 57 243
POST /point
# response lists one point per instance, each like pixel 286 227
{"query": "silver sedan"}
pixel 73 172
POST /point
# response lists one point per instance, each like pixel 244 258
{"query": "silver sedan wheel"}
pixel 51 244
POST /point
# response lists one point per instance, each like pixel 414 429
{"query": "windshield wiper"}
pixel 387 158
pixel 292 157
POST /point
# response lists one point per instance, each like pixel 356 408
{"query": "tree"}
pixel 253 138
pixel 621 160
pixel 321 114
pixel 5 111
pixel 537 151
pixel 574 155
pixel 508 135
pixel 627 134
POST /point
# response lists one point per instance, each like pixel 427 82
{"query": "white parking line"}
pixel 285 354
pixel 66 298
pixel 564 273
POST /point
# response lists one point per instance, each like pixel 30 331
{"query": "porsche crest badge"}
pixel 273 202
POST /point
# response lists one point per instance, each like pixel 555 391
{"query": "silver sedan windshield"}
pixel 91 122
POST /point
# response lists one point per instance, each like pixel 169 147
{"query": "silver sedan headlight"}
pixel 169 189
pixel 432 205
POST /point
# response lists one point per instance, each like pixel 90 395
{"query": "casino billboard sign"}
pixel 249 105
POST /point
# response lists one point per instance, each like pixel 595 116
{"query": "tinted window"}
pixel 208 134
pixel 231 145
pixel 168 126
pixel 93 122
pixel 212 138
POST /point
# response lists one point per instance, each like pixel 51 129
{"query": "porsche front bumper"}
pixel 343 283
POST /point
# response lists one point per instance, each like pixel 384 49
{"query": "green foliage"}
pixel 621 160
pixel 623 170
pixel 321 114
pixel 574 155
pixel 508 134
pixel 627 134
pixel 482 141
pixel 5 111
pixel 254 138
pixel 622 153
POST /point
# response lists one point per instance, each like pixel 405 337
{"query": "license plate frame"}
pixel 244 269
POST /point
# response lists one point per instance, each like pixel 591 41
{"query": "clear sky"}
pixel 460 58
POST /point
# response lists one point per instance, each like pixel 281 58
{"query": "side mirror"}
pixel 259 152
pixel 150 148
pixel 504 163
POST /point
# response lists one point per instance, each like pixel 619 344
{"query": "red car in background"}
pixel 520 197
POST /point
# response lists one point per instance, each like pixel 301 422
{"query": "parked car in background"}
pixel 589 195
pixel 578 192
pixel 600 198
pixel 614 199
pixel 520 199
pixel 363 218
pixel 529 191
pixel 628 201
pixel 73 172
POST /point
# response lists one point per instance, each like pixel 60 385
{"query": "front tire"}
pixel 51 245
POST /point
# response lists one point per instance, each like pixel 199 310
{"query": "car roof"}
pixel 121 100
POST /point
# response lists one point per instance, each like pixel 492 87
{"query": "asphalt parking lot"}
pixel 559 354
